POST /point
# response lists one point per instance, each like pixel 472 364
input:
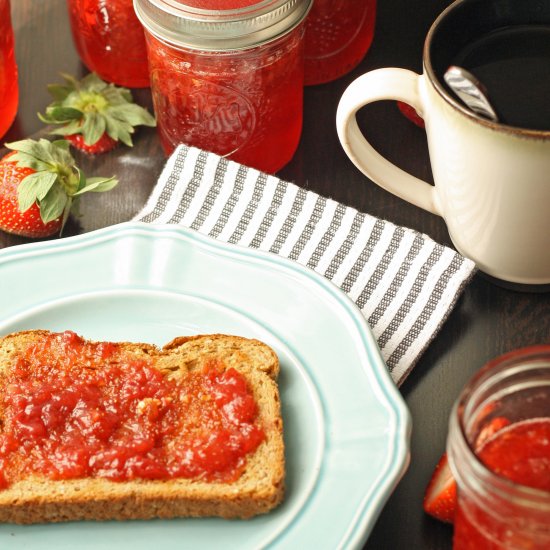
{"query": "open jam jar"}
pixel 499 453
pixel 227 76
pixel 9 89
pixel 338 35
pixel 110 40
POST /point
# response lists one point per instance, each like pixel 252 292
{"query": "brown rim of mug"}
pixel 454 103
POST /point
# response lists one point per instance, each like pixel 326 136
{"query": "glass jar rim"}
pixel 180 24
pixel 459 442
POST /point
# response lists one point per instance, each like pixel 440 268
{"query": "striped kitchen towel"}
pixel 403 282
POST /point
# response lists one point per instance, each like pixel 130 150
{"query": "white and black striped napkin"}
pixel 403 282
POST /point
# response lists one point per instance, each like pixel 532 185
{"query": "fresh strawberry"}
pixel 440 496
pixel 26 223
pixel 102 145
pixel 40 185
pixel 410 113
pixel 94 115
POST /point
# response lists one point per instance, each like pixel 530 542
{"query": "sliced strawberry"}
pixel 410 113
pixel 40 185
pixel 440 496
pixel 94 115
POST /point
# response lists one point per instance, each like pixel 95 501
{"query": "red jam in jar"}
pixel 74 409
pixel 338 35
pixel 504 483
pixel 110 40
pixel 227 77
pixel 521 453
pixel 9 89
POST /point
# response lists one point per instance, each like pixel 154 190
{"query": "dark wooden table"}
pixel 488 320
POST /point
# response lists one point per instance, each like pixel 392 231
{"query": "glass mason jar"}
pixel 9 87
pixel 499 453
pixel 227 76
pixel 338 35
pixel 110 40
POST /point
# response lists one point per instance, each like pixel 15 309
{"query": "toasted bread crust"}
pixel 258 489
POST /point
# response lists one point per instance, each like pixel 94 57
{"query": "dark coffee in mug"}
pixel 513 63
pixel 492 178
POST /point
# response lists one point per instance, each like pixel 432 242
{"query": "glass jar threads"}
pixel 338 35
pixel 9 87
pixel 227 76
pixel 499 453
pixel 110 40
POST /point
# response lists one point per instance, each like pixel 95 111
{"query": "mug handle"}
pixel 377 85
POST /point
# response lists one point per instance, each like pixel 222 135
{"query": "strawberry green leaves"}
pixel 96 185
pixel 41 155
pixel 34 188
pixel 93 108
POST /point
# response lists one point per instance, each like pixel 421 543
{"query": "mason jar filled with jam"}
pixel 227 76
pixel 9 88
pixel 338 35
pixel 499 453
pixel 110 40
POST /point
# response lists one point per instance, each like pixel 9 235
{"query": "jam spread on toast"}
pixel 76 409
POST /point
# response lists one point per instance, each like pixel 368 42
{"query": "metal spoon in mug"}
pixel 470 91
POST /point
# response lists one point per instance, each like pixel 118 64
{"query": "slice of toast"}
pixel 260 487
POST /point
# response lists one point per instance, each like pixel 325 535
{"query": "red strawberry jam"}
pixel 67 413
pixel 520 453
pixel 110 40
pixel 338 35
pixel 9 89
pixel 227 76
pixel 244 105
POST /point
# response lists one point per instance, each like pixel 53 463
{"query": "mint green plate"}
pixel 346 426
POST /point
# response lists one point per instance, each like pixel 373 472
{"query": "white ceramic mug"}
pixel 492 181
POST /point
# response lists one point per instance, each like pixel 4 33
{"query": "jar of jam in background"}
pixel 499 453
pixel 227 76
pixel 110 40
pixel 338 35
pixel 9 87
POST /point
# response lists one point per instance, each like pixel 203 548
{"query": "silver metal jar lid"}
pixel 181 24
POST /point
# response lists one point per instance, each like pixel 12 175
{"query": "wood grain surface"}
pixel 488 319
